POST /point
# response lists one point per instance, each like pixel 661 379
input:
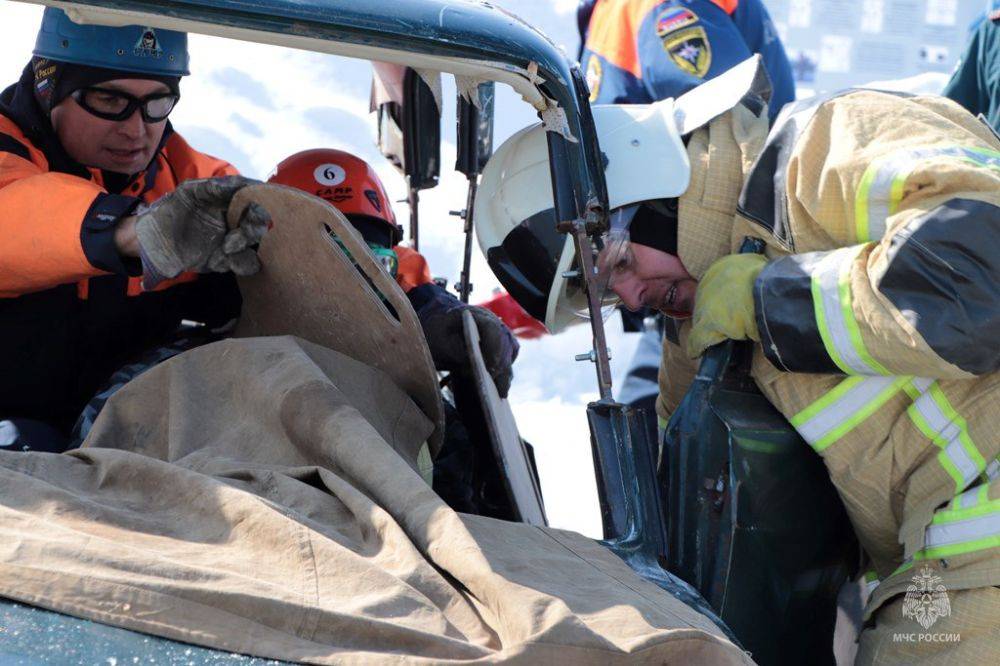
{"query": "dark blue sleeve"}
pixel 760 35
pixel 97 234
pixel 430 299
pixel 682 44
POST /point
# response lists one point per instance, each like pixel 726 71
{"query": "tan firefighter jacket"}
pixel 879 311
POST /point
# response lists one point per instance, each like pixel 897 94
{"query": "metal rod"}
pixel 414 201
pixel 601 359
pixel 464 284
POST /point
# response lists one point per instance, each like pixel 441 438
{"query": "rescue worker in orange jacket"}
pixel 352 186
pixel 107 217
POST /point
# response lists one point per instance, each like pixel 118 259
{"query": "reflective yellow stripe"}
pixel 972 497
pixel 861 196
pixel 935 417
pixel 992 472
pixel 950 550
pixel 844 408
pixel 962 530
pixel 871 581
pixel 882 185
pixel 869 366
pixel 904 566
pixel 834 312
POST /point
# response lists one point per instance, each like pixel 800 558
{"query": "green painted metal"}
pixel 754 522
pixel 634 529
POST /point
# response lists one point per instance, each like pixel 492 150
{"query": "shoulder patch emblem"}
pixel 690 50
pixel 594 73
pixel 674 18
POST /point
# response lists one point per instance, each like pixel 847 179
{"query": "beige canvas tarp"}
pixel 248 496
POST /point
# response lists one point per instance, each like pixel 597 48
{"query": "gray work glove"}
pixel 186 231
pixel 441 320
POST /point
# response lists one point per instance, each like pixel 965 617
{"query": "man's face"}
pixel 125 146
pixel 643 276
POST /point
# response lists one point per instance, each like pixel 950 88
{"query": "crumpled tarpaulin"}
pixel 247 496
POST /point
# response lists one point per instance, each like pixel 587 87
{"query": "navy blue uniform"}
pixel 641 51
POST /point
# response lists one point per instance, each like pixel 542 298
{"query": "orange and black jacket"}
pixel 71 308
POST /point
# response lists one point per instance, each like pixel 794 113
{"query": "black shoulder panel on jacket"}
pixel 9 144
pixel 944 277
pixel 783 304
pixel 762 199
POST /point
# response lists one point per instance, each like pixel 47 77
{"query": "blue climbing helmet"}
pixel 131 48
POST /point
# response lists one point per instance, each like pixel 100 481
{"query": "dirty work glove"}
pixel 186 231
pixel 723 304
pixel 440 316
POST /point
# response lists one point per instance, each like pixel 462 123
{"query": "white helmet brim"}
pixel 515 216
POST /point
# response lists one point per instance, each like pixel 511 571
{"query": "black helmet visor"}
pixel 527 260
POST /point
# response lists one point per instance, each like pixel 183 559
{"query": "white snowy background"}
pixel 254 105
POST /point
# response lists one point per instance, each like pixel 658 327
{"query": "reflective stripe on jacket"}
pixel 641 51
pixel 889 295
pixel 879 314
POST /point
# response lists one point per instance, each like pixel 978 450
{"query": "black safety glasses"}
pixel 116 105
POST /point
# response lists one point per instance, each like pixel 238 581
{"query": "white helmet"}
pixel 515 216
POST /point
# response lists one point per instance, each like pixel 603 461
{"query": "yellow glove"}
pixel 723 304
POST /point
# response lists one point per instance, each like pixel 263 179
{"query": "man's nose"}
pixel 628 289
pixel 134 127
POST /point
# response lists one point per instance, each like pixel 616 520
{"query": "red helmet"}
pixel 348 183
